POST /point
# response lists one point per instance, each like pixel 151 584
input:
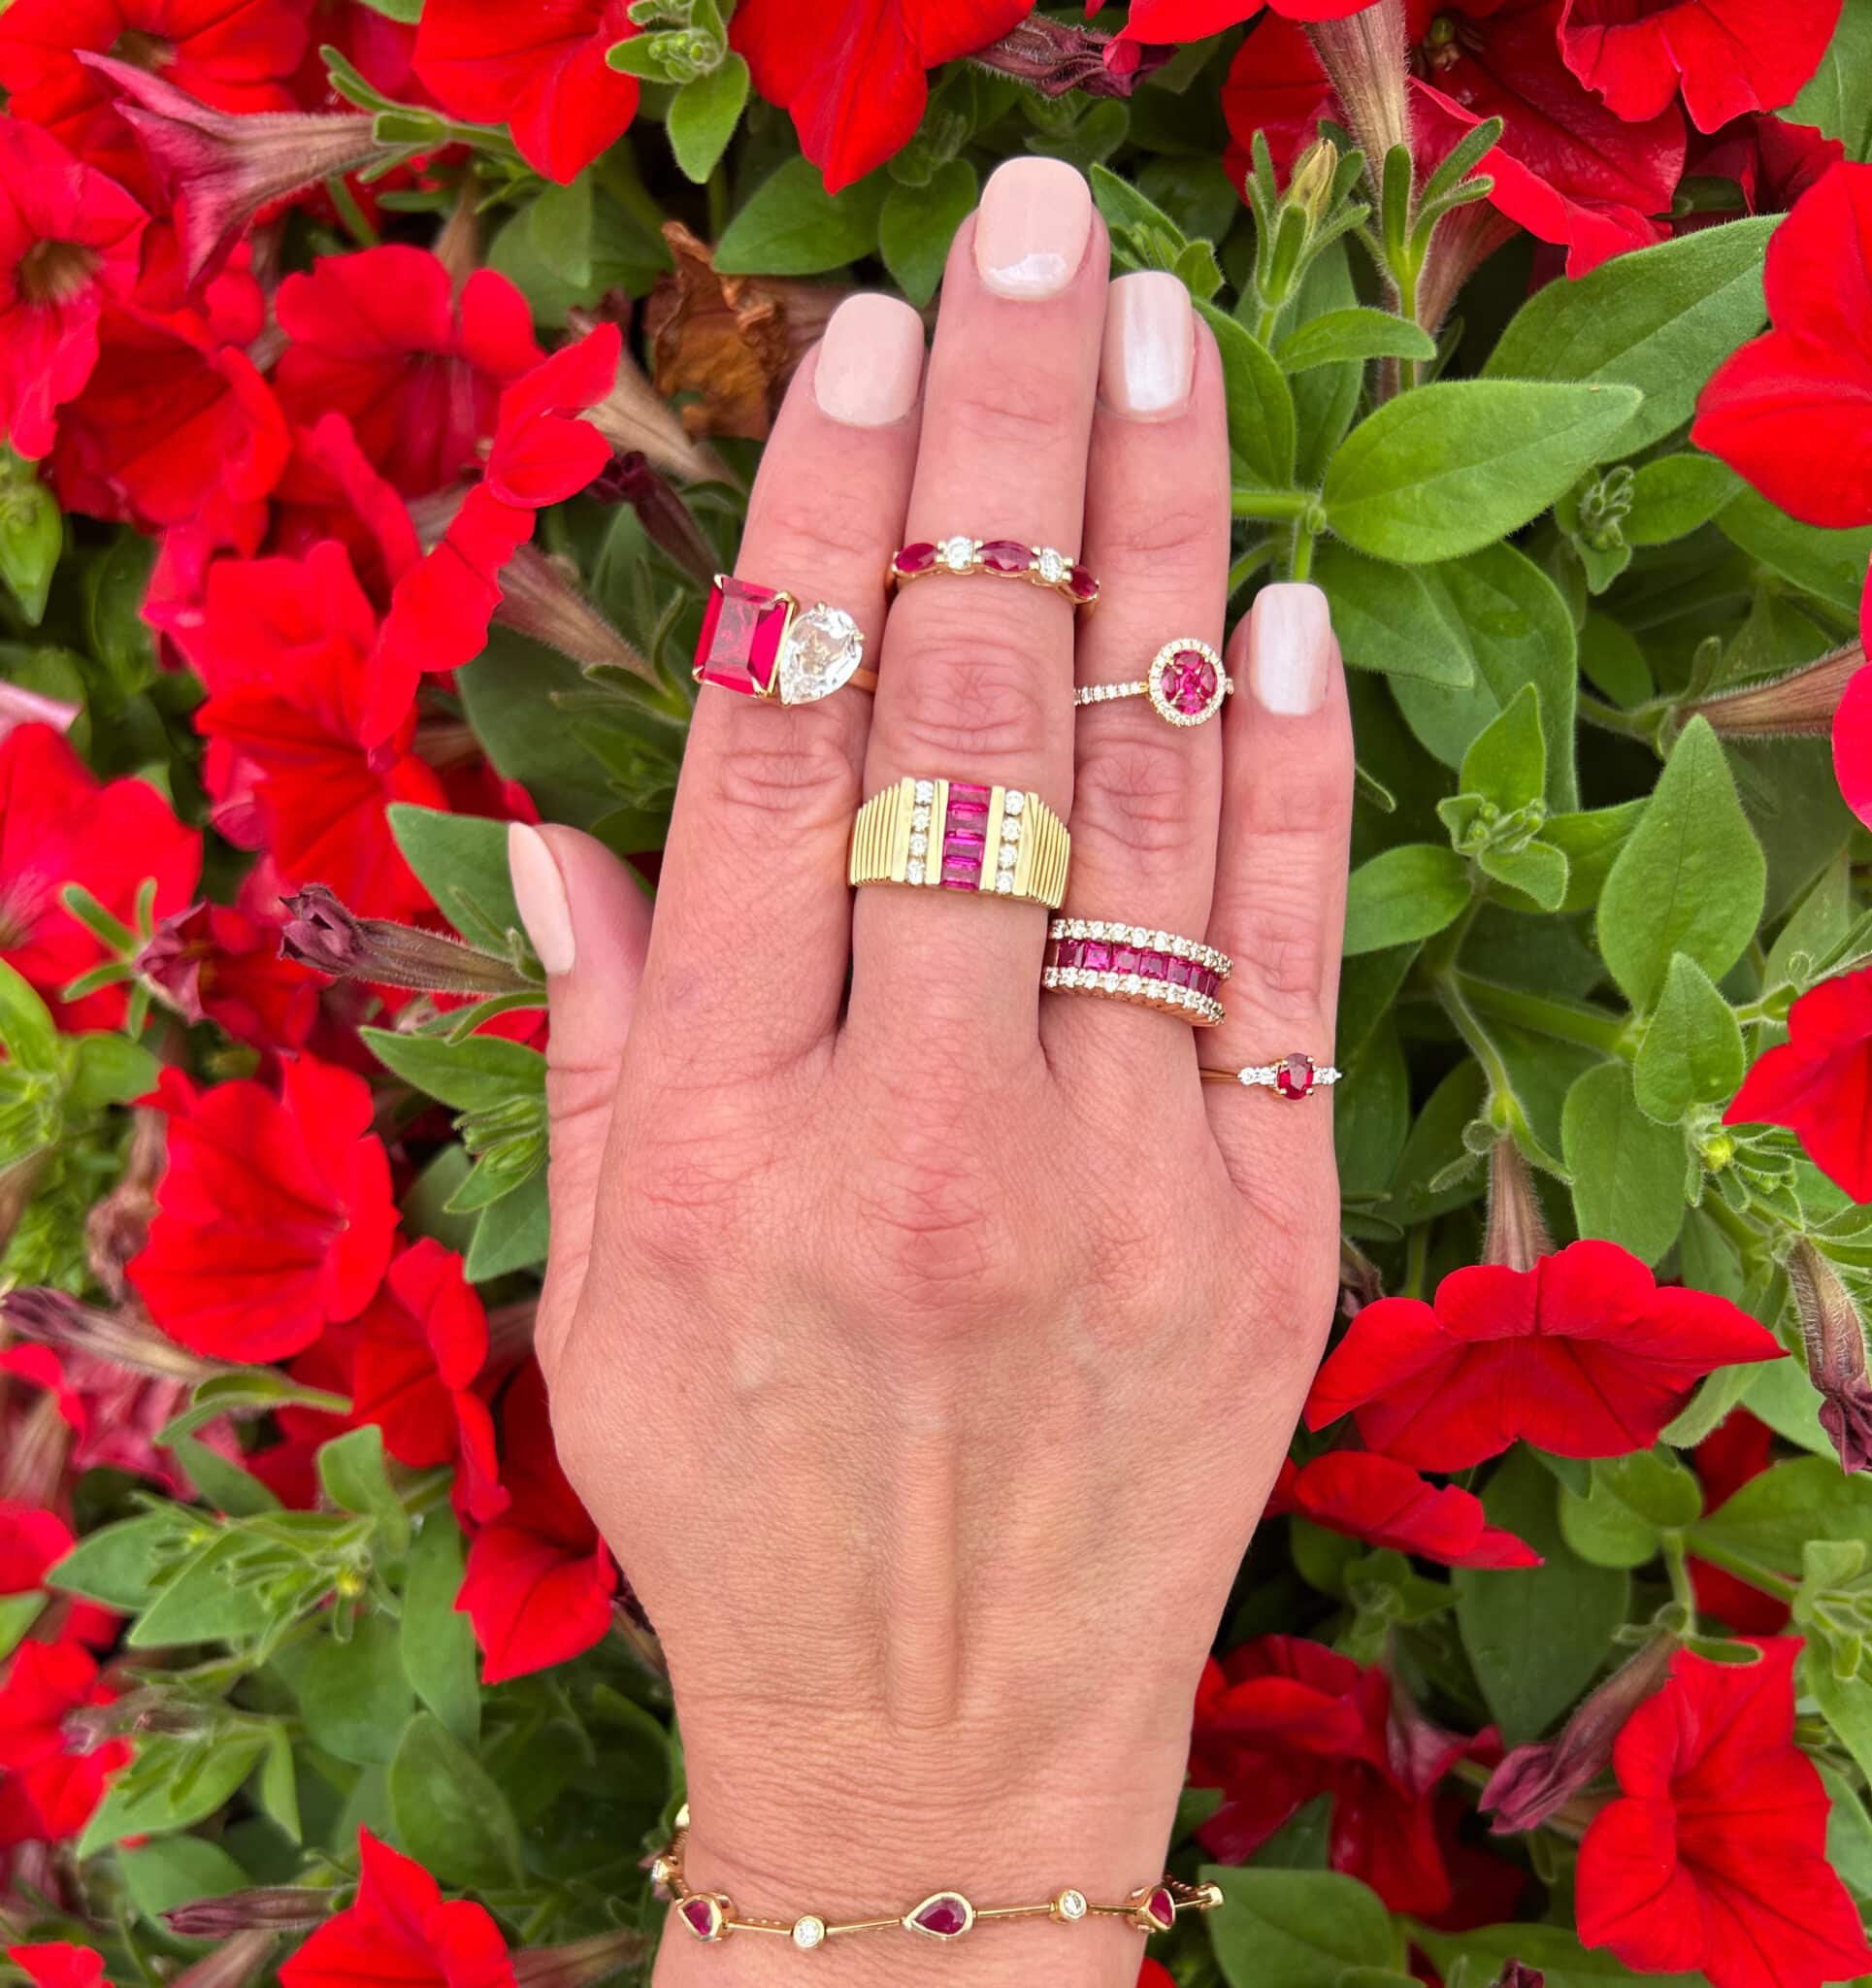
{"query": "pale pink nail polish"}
pixel 539 892
pixel 1290 649
pixel 1149 353
pixel 1031 228
pixel 871 363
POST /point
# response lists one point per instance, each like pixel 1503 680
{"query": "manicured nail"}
pixel 871 363
pixel 539 891
pixel 1290 647
pixel 1150 344
pixel 1032 230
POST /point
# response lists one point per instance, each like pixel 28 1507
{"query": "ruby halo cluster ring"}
pixel 758 642
pixel 1007 558
pixel 1186 684
pixel 1134 963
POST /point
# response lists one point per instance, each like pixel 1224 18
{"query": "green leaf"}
pixel 1632 1501
pixel 220 1481
pixel 558 225
pixel 1830 565
pixel 1693 1053
pixel 1845 1703
pixel 1537 1635
pixel 32 537
pixel 1658 320
pixel 1590 843
pixel 1392 618
pixel 450 1814
pixel 1447 468
pixel 1772 1517
pixel 212 1599
pixel 1358 333
pixel 172 1782
pixel 1296 1929
pixel 1627 1170
pixel 1692 878
pixel 461 861
pixel 353 1695
pixel 1402 894
pixel 109 1069
pixel 17 1614
pixel 1838 96
pixel 918 224
pixel 1507 762
pixel 1517 629
pixel 436 1643
pixel 792 226
pixel 511 1233
pixel 1260 405
pixel 471 1075
pixel 351 1471
pixel 1849 1835
pixel 115 1564
pixel 26 1028
pixel 1673 495
pixel 177 1871
pixel 704 113
pixel 1325 397
pixel 1549 1949
pixel 1537 871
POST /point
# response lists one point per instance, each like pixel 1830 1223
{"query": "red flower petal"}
pixel 59 1965
pixel 1819 1082
pixel 1377 1499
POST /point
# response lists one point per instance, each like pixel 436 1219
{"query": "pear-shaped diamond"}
pixel 822 652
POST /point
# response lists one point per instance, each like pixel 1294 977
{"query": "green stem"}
pixel 1299 561
pixel 1681 1588
pixel 1610 718
pixel 1567 1021
pixel 1742 1568
pixel 1251 562
pixel 1417 1257
pixel 1276 506
pixel 1407 310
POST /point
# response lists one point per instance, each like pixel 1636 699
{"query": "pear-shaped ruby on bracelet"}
pixel 711 1915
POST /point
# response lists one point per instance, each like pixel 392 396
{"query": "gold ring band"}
pixel 955 835
pixel 1007 558
pixel 1134 964
pixel 758 642
pixel 711 1916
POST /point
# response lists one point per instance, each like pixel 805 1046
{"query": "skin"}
pixel 927 1358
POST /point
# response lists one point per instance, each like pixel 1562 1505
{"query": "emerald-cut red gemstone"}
pixel 741 637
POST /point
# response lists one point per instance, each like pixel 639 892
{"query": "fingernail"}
pixel 1290 647
pixel 539 891
pixel 1150 344
pixel 1030 231
pixel 871 363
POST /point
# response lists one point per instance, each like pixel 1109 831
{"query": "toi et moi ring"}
pixel 956 835
pixel 1040 565
pixel 1186 684
pixel 757 641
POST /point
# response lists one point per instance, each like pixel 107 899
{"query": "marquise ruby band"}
pixel 711 1916
pixel 1294 1076
pixel 1132 963
pixel 758 642
pixel 1186 684
pixel 1007 558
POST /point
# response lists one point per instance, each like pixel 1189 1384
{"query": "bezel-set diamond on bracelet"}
pixel 1007 558
pixel 1186 684
pixel 957 835
pixel 712 1916
pixel 1136 964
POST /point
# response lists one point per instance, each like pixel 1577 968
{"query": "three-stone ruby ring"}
pixel 1186 684
pixel 1007 558
pixel 760 642
pixel 1294 1076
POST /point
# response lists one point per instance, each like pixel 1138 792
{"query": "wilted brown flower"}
pixel 1835 1345
pixel 324 932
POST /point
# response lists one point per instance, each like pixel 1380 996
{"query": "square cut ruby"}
pixel 1124 959
pixel 1178 973
pixel 1151 965
pixel 740 636
pixel 1066 952
pixel 1097 957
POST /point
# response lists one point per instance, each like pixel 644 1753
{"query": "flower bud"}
pixel 1517 1235
pixel 323 933
pixel 233 1965
pixel 265 1909
pixel 1368 56
pixel 125 1338
pixel 581 1962
pixel 1534 1782
pixel 540 601
pixel 668 521
pixel 1802 703
pixel 1057 59
pixel 1835 1345
pixel 636 419
pixel 32 535
pixel 1310 186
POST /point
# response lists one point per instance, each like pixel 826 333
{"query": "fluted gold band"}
pixel 957 835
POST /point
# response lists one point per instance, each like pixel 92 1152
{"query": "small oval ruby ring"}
pixel 1186 684
pixel 1292 1077
pixel 759 641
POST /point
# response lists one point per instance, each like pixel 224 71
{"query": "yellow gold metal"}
pixel 897 837
pixel 809 1930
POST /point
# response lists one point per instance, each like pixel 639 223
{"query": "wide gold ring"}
pixel 956 835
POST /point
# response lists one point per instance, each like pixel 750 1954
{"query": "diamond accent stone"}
pixel 957 554
pixel 1071 1904
pixel 919 846
pixel 1004 882
pixel 913 871
pixel 926 791
pixel 1013 801
pixel 809 1932
pixel 821 654
pixel 1052 567
pixel 1010 831
pixel 1007 857
pixel 919 818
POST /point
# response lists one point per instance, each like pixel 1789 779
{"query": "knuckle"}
pixel 1016 409
pixel 785 767
pixel 1139 795
pixel 1307 798
pixel 1146 539
pixel 1286 943
pixel 970 695
pixel 822 531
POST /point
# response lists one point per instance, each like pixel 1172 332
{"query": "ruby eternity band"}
pixel 1134 964
pixel 712 1916
pixel 1005 558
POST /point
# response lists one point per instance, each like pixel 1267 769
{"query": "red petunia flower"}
pixel 61 1965
pixel 1740 1446
pixel 539 1580
pixel 1567 169
pixel 236 54
pixel 58 826
pixel 854 82
pixel 1385 1502
pixel 31 1540
pixel 1771 162
pixel 70 237
pixel 538 69
pixel 1716 1856
pixel 1191 20
pixel 400 1929
pixel 541 454
pixel 273 1217
pixel 223 963
pixel 50 1782
pixel 1280 1721
pixel 1819 1081
pixel 1583 1355
pixel 380 337
pixel 303 757
pixel 422 1345
pixel 1727 57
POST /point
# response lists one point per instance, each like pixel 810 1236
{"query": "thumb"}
pixel 589 922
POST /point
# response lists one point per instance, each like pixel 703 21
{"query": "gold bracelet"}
pixel 711 1915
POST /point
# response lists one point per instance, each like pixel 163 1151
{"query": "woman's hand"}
pixel 926 1360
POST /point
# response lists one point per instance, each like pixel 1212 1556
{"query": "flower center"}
pixel 1443 45
pixel 142 50
pixel 55 272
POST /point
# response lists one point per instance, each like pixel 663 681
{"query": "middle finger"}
pixel 977 682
